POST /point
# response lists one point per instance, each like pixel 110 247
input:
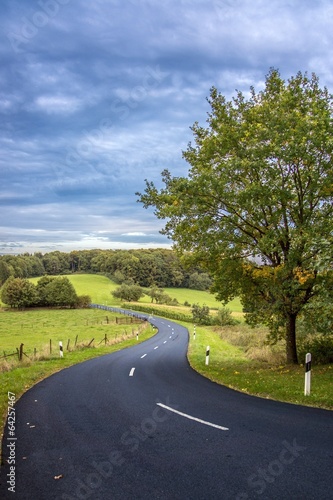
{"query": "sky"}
pixel 96 97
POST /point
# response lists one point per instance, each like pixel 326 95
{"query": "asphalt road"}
pixel 141 424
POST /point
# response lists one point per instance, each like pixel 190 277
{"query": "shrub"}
pixel 83 302
pixel 201 314
pixel 320 347
pixel 224 317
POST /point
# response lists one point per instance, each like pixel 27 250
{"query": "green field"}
pixel 97 286
pixel 100 288
pixel 35 328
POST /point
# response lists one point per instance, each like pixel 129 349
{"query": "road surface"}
pixel 141 424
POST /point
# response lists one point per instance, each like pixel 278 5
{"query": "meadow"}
pixel 36 327
pixel 100 287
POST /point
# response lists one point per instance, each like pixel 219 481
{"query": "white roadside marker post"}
pixel 207 355
pixel 61 352
pixel 194 333
pixel 307 386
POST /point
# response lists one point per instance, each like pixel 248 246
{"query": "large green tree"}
pixel 19 292
pixel 128 293
pixel 256 208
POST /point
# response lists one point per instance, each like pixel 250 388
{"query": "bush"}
pixel 201 314
pixel 200 281
pixel 320 347
pixel 224 318
pixel 83 302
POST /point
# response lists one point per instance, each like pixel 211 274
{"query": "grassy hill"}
pixel 100 288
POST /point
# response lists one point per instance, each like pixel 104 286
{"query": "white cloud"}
pixel 58 104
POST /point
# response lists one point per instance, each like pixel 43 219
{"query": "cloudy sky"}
pixel 97 96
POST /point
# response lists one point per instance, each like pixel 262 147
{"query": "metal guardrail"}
pixel 120 310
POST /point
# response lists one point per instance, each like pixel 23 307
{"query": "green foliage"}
pixel 320 347
pixel 19 292
pixel 200 281
pixel 256 210
pixel 5 271
pixel 129 293
pixel 146 267
pixel 83 302
pixel 160 297
pixel 59 292
pixel 42 290
pixel 224 317
pixel 49 291
pixel 201 314
pixel 317 316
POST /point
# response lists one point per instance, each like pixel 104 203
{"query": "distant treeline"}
pixel 151 267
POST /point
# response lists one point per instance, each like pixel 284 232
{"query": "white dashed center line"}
pixel 131 373
pixel 143 356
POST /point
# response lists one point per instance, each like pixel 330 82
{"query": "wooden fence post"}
pixel 21 352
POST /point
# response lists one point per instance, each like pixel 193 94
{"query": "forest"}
pixel 147 268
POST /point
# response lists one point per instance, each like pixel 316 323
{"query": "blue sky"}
pixel 97 96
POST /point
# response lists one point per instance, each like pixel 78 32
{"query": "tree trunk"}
pixel 291 349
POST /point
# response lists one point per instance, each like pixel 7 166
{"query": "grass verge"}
pixel 250 366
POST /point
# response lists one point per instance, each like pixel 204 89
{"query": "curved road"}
pixel 141 424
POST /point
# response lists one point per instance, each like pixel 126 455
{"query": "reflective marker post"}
pixel 207 355
pixel 307 386
pixel 61 352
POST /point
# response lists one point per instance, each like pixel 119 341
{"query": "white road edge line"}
pixel 193 418
pixel 131 373
pixel 143 356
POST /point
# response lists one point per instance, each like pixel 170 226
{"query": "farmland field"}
pixel 34 328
